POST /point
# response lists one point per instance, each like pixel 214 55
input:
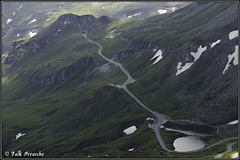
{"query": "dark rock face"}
pixel 76 24
pixel 16 44
pixel 74 19
pixel 72 24
pixel 14 52
pixel 32 46
pixel 81 67
pixel 134 47
pixel 105 19
pixel 35 45
pixel 8 60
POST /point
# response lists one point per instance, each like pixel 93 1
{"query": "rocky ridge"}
pixel 81 67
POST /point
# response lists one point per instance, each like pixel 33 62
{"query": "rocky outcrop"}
pixel 81 67
pixel 34 46
pixel 82 21
pixel 16 44
pixel 70 24
pixel 135 47
pixel 13 53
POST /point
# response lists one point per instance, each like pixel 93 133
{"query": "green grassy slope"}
pixel 83 115
pixel 165 92
pixel 47 13
pixel 179 28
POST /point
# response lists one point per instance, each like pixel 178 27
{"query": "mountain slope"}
pixel 205 78
pixel 25 19
pixel 56 87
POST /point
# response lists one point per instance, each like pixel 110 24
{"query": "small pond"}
pixel 194 134
pixel 189 143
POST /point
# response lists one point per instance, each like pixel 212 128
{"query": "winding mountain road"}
pixel 130 79
pixel 229 149
pixel 161 118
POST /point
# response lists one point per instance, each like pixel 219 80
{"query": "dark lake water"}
pixel 195 128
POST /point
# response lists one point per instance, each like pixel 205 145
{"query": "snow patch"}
pixel 179 66
pixel 9 20
pixel 162 11
pixel 149 119
pixel 130 130
pixel 31 34
pixel 113 31
pixel 131 149
pixel 233 56
pixel 19 135
pixel 181 69
pixel 134 15
pixel 111 34
pixel 14 13
pixel 59 30
pixel 215 43
pixel 234 155
pixel 233 34
pixel 19 7
pixel 131 81
pixel 196 56
pixel 158 55
pixel 233 122
pixel 65 22
pixel 18 35
pixel 173 9
pixel 47 19
pixel 34 20
pixel 154 50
